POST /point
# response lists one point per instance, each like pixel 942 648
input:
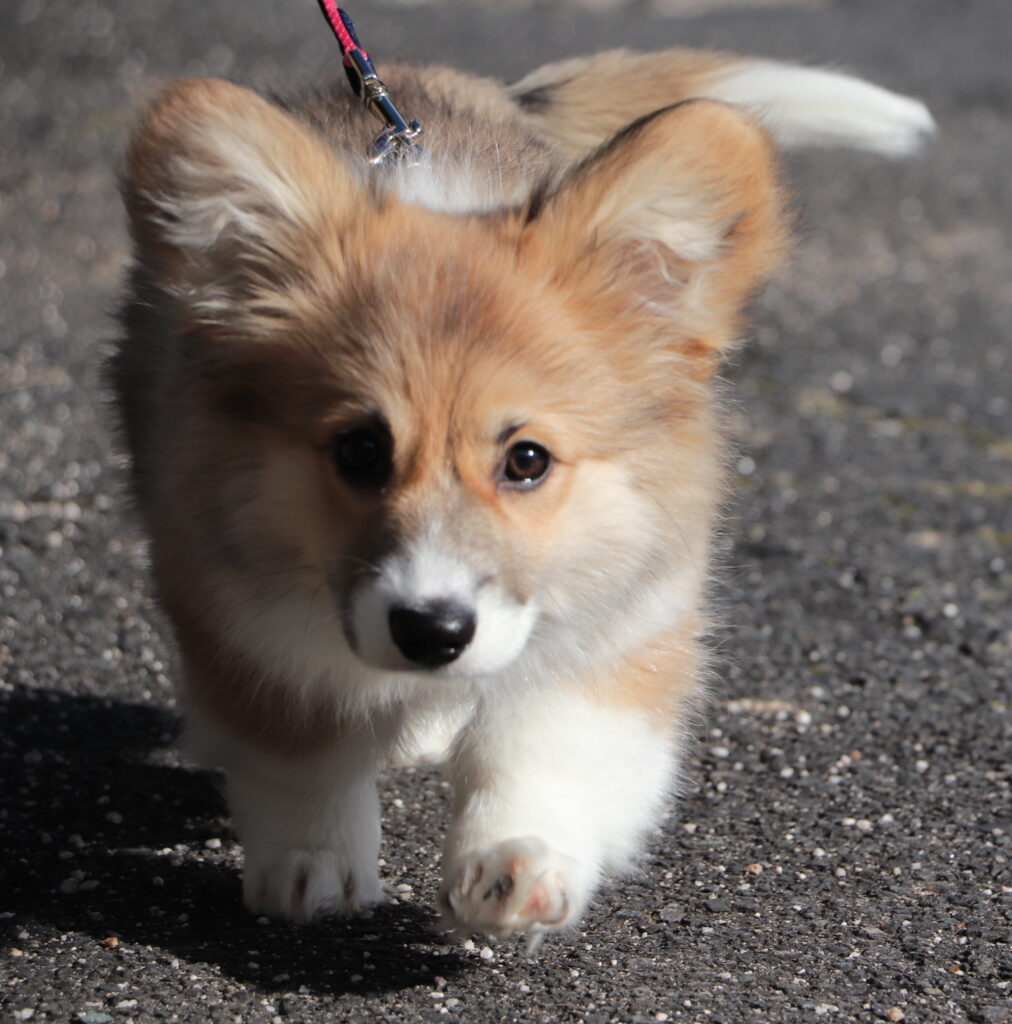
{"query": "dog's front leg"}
pixel 559 787
pixel 309 824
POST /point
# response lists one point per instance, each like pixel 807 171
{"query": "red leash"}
pixel 342 27
pixel 397 140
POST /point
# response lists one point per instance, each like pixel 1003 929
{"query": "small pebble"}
pixel 486 953
pixel 673 913
pixel 894 1013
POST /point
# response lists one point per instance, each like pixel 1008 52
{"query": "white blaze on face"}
pixel 424 573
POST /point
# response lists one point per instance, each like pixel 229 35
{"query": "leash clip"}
pixel 398 138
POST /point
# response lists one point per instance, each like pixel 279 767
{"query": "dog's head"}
pixel 440 436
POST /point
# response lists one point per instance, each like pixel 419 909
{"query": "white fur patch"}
pixel 815 107
pixel 579 784
pixel 309 825
pixel 456 187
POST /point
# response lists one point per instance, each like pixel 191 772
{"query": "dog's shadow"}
pixel 104 833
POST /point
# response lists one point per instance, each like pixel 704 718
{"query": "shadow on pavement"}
pixel 104 832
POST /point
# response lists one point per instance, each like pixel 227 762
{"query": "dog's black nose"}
pixel 434 634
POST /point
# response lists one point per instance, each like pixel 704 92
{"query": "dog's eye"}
pixel 363 457
pixel 527 463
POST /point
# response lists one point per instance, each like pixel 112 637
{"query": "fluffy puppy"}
pixel 428 455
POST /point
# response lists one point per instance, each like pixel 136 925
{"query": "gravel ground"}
pixel 842 850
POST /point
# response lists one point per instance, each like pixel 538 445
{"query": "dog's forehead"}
pixel 446 311
pixel 446 273
pixel 445 326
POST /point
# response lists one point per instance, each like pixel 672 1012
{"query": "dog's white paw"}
pixel 298 885
pixel 519 885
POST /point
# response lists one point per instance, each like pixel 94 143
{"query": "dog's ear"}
pixel 225 190
pixel 679 216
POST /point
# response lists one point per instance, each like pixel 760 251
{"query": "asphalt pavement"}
pixel 841 851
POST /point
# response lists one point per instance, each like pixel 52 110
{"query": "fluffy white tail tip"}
pixel 813 107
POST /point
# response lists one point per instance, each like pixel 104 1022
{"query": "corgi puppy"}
pixel 429 455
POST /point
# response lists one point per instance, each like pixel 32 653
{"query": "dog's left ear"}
pixel 679 217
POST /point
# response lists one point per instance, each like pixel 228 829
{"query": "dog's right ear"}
pixel 225 190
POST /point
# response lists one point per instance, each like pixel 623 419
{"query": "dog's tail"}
pixel 582 102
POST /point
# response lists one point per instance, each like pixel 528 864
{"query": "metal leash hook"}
pixel 397 141
pixel 398 137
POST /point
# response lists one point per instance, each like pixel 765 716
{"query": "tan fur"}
pixel 564 268
pixel 725 212
pixel 581 102
pixel 311 305
pixel 662 678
